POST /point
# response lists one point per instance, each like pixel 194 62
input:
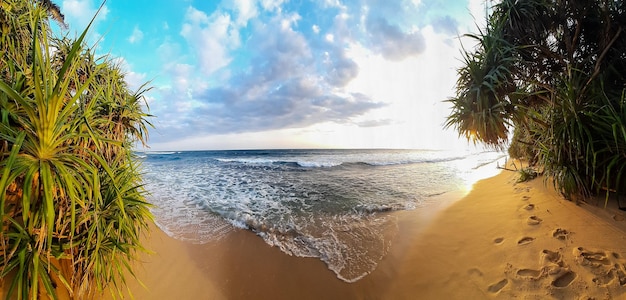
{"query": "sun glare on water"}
pixel 479 172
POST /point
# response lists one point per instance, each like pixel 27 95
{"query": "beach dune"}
pixel 502 240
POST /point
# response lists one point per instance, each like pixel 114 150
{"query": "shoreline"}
pixel 501 240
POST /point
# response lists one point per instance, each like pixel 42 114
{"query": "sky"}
pixel 267 74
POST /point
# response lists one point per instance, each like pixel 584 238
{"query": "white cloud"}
pixel 290 20
pixel 272 5
pixel 414 89
pixel 477 9
pixel 181 75
pixel 211 38
pixel 246 10
pixel 392 42
pixel 350 77
pixel 196 16
pixel 342 27
pixel 279 139
pixel 136 36
pixel 135 80
pixel 78 13
pixel 169 53
pixel 333 3
pixel 283 86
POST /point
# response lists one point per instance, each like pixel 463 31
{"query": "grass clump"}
pixel 527 174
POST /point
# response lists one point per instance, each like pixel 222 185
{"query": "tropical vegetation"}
pixel 71 201
pixel 547 79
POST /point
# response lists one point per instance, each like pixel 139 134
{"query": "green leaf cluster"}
pixel 71 201
pixel 551 72
pixel 527 174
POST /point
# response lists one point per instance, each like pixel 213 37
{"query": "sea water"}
pixel 336 205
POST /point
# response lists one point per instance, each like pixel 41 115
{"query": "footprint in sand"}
pixel 525 240
pixel 534 220
pixel 590 258
pixel 525 198
pixel 529 273
pixel 552 262
pixel 600 264
pixel 604 279
pixel 621 274
pixel 496 287
pixel 564 280
pixel 498 240
pixel 618 218
pixel 529 207
pixel 554 269
pixel 560 234
pixel 475 272
pixel 551 257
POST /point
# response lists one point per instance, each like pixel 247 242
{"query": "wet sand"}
pixel 242 266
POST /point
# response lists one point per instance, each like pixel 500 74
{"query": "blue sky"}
pixel 288 73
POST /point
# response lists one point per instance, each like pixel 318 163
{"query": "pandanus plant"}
pixel 72 206
pixel 553 72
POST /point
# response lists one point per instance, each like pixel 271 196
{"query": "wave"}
pixel 247 161
pixel 350 245
pixel 411 161
pixel 318 164
pixel 333 205
pixel 332 163
pixel 293 163
pixel 191 225
pixel 161 152
pixel 377 163
pixel 380 208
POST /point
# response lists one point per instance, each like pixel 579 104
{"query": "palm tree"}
pixel 71 201
pixel 481 110
pixel 551 70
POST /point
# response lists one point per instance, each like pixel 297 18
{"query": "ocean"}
pixel 335 205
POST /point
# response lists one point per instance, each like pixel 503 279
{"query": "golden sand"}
pixel 503 240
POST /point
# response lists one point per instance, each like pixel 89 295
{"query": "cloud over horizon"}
pixel 262 65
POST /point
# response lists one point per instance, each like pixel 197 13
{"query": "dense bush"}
pixel 552 71
pixel 71 201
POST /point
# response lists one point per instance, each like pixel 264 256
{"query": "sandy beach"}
pixel 312 150
pixel 502 240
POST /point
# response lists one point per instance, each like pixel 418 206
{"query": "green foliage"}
pixel 527 174
pixel 523 149
pixel 71 203
pixel 609 123
pixel 553 71
pixel 478 111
